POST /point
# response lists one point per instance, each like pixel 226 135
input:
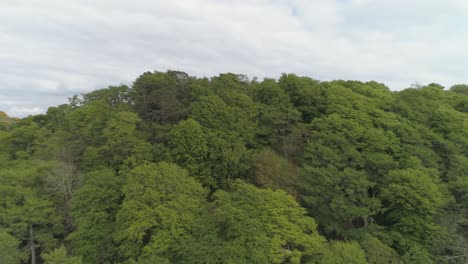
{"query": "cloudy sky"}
pixel 52 49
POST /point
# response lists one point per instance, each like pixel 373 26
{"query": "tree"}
pixel 275 172
pixel 160 203
pixel 23 135
pixel 339 200
pixel 6 121
pixel 25 212
pixel 86 123
pixel 382 172
pixel 228 129
pixel 94 209
pixel 412 198
pixel 276 113
pixel 189 149
pixel 120 136
pixel 343 252
pixel 59 256
pixel 460 88
pixel 306 95
pixel 114 96
pixel 250 225
pixel 162 97
pixel 378 252
pixel 9 248
pixel 227 121
pixel 56 117
pixel 63 180
pixel 28 216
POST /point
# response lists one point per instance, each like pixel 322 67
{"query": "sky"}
pixel 52 49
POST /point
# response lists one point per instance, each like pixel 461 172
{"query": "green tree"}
pixel 28 216
pixel 9 248
pixel 460 88
pixel 250 225
pixel 276 114
pixel 343 252
pixel 306 94
pixel 189 149
pixel 120 136
pixel 162 97
pixel 23 137
pixel 26 212
pixel 230 122
pixel 160 203
pixel 274 172
pixel 412 198
pixel 94 209
pixel 378 252
pixel 59 256
pixel 114 96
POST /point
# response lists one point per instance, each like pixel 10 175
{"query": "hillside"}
pixel 180 169
pixel 6 121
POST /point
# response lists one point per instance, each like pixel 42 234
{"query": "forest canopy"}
pixel 227 169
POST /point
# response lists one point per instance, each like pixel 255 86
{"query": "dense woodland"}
pixel 180 169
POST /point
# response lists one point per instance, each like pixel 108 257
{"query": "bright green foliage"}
pixel 412 198
pixel 160 203
pixel 227 121
pixel 121 136
pixel 10 254
pixel 26 213
pixel 343 252
pixel 226 130
pixel 95 207
pixel 59 256
pixel 249 225
pixel 189 149
pixel 141 153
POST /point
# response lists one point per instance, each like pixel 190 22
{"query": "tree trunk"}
pixel 31 244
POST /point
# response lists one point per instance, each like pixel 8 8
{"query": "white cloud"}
pixel 50 50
